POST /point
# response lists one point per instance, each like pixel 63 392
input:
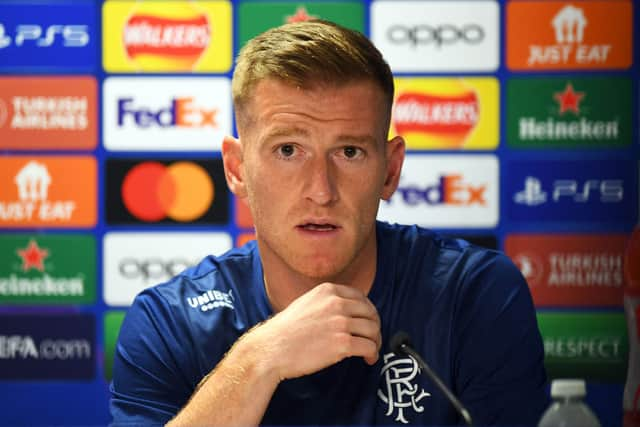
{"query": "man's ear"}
pixel 232 161
pixel 395 157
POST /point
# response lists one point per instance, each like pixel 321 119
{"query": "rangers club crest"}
pixel 398 390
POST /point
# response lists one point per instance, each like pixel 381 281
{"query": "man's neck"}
pixel 283 285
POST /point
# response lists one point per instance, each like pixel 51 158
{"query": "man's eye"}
pixel 286 150
pixel 351 152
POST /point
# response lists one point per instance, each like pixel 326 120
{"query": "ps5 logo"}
pixel 604 191
pixel 45 36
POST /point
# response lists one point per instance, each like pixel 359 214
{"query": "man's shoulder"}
pixel 213 274
pixel 442 261
pixel 420 242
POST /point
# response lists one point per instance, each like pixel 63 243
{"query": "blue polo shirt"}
pixel 467 309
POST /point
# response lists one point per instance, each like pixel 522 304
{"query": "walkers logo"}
pixel 418 36
pixel 445 191
pixel 593 346
pixel 40 269
pixel 561 35
pixel 166 36
pixel 572 191
pixel 166 192
pixel 579 112
pixel 48 191
pixel 164 114
pixel 571 270
pixel 47 347
pixel 41 36
pixel 48 113
pixel 255 17
pixel 112 322
pixel 135 261
pixel 445 113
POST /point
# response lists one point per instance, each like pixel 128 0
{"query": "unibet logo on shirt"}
pixel 575 112
pixel 255 17
pixel 47 269
pixel 560 35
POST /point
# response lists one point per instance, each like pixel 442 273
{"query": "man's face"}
pixel 314 165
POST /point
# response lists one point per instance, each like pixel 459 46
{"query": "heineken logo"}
pixel 569 100
pixel 41 269
pixel 33 256
pixel 548 113
pixel 301 15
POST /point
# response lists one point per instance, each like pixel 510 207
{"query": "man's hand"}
pixel 320 328
pixel 323 326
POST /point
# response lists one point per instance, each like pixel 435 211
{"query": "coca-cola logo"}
pixel 147 34
pixel 438 114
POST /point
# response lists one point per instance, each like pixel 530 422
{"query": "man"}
pixel 294 329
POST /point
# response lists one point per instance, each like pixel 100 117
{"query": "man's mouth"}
pixel 310 226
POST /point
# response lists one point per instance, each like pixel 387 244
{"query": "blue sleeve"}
pixel 499 356
pixel 150 382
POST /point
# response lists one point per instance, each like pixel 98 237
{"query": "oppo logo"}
pixel 152 268
pixel 439 36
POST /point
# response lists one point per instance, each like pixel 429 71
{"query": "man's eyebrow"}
pixel 357 139
pixel 286 131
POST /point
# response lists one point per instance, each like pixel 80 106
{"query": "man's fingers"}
pixel 365 348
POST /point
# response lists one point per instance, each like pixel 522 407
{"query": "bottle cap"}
pixel 568 388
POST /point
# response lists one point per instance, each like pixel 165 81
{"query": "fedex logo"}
pixel 45 36
pixel 573 191
pixel 166 113
pixel 450 190
pixel 457 191
pixel 181 112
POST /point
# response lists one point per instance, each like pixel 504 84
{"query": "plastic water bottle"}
pixel 568 409
pixel 631 399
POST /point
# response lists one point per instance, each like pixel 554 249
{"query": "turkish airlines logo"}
pixel 570 270
pixel 48 112
pixel 445 191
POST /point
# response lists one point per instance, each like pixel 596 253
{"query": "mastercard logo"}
pixel 182 191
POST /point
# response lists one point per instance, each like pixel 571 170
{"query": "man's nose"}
pixel 321 181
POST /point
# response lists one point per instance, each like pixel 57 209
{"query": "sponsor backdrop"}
pixel 521 119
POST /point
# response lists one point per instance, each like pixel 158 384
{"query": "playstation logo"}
pixel 532 195
pixel 4 39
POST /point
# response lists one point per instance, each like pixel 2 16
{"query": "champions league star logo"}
pixel 399 391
